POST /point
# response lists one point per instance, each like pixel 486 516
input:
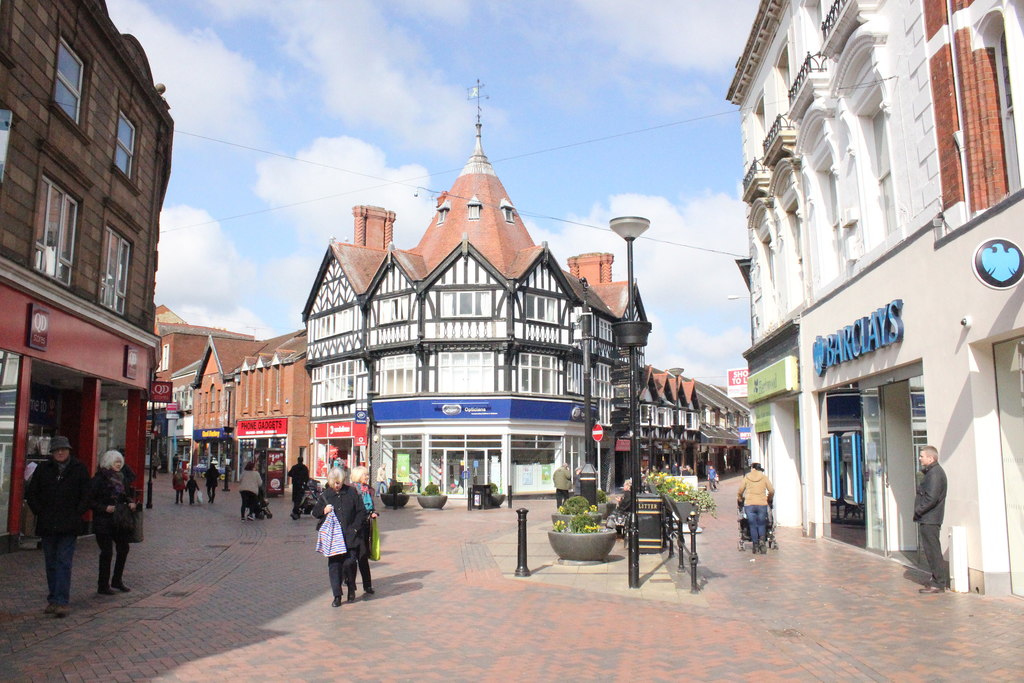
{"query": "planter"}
pixel 432 502
pixel 594 516
pixel 606 508
pixel 582 547
pixel 497 499
pixel 388 499
pixel 683 508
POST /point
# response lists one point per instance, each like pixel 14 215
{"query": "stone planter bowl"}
pixel 388 499
pixel 582 547
pixel 497 499
pixel 432 502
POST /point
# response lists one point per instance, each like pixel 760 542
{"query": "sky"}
pixel 288 114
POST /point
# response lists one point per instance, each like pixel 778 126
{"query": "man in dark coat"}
pixel 212 476
pixel 299 474
pixel 58 495
pixel 929 508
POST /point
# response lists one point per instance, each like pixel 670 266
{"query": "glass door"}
pixel 874 471
pixel 1009 361
pixel 456 472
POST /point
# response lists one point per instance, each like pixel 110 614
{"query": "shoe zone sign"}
pixel 998 263
pixel 880 328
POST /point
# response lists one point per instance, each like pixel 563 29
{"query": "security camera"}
pixel 965 321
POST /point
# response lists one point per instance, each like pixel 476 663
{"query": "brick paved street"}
pixel 216 598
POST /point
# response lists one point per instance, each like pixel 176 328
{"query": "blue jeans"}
pixel 58 552
pixel 757 520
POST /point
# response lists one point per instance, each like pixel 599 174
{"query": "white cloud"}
pixel 202 277
pixel 371 182
pixel 211 89
pixel 684 35
pixel 678 284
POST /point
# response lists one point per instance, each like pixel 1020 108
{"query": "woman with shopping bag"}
pixel 341 514
pixel 361 483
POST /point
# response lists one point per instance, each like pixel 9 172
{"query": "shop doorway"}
pixel 457 469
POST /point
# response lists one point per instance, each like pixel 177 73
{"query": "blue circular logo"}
pixel 998 263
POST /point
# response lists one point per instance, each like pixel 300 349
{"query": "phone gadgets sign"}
pixel 881 328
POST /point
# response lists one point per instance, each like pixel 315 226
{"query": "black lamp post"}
pixel 632 334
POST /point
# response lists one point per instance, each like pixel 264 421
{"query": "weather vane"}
pixel 475 93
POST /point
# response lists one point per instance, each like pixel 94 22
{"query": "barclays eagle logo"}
pixel 998 263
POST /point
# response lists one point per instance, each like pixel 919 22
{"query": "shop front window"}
pixel 402 458
pixel 9 363
pixel 458 462
pixel 533 460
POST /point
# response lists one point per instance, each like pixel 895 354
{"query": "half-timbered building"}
pixel 461 359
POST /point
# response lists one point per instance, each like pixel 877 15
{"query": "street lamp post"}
pixel 632 334
pixel 586 331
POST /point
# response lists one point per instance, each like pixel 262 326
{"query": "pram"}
pixel 769 535
pixel 263 507
pixel 311 493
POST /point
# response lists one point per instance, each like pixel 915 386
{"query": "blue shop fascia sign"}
pixel 210 434
pixel 476 409
pixel 874 331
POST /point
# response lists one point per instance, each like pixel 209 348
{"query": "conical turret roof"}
pixel 477 191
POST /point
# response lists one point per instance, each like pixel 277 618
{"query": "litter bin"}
pixel 649 512
pixel 480 497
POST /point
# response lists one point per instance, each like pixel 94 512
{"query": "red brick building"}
pixel 83 172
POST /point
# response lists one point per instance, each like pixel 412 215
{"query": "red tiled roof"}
pixel 359 263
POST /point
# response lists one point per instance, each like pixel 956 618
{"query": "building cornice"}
pixel 766 23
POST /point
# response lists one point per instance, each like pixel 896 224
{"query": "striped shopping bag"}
pixel 330 539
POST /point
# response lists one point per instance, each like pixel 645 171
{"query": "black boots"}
pixel 337 601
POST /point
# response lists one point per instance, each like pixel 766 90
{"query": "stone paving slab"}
pixel 216 598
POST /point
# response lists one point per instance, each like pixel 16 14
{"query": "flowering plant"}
pixel 578 524
pixel 675 488
pixel 576 505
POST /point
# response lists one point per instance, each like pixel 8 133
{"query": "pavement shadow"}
pixel 399 584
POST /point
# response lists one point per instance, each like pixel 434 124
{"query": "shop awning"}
pixel 717 436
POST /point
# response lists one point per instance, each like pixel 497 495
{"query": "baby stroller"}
pixel 311 493
pixel 769 535
pixel 263 507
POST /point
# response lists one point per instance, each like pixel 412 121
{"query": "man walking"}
pixel 212 476
pixel 299 474
pixel 562 480
pixel 58 495
pixel 929 509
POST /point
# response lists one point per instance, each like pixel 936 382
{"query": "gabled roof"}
pixel 499 241
pixel 359 263
pixel 164 329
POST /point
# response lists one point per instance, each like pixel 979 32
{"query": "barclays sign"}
pixel 879 329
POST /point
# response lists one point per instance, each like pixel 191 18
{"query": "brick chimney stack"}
pixel 596 267
pixel 374 227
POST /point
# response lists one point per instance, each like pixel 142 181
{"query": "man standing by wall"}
pixel 58 496
pixel 929 508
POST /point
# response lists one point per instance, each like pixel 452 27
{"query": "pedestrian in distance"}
pixel 212 476
pixel 299 475
pixel 756 493
pixel 562 480
pixel 360 482
pixel 192 486
pixel 382 480
pixel 248 489
pixel 108 489
pixel 712 477
pixel 178 484
pixel 58 496
pixel 929 510
pixel 344 503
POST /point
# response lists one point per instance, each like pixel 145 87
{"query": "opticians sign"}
pixel 882 327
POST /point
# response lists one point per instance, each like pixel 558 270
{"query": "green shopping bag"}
pixel 374 540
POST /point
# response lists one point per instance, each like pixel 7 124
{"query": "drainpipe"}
pixel 958 135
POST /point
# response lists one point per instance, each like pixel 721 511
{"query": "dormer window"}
pixel 442 211
pixel 508 211
pixel 474 209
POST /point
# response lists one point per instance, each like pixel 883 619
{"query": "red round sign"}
pixel 597 432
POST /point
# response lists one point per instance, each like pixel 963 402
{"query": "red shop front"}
pixel 333 442
pixel 63 372
pixel 265 441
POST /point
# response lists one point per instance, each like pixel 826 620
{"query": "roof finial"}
pixel 476 93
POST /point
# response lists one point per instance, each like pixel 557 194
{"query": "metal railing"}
pixel 755 168
pixel 812 63
pixel 781 123
pixel 832 17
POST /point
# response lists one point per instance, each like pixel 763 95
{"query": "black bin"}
pixel 649 511
pixel 480 497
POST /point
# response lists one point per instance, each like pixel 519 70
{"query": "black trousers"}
pixel 296 499
pixel 364 557
pixel 108 543
pixel 342 569
pixel 249 500
pixel 932 548
pixel 211 492
pixel 561 495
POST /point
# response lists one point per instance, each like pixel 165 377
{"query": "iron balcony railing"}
pixel 781 123
pixel 755 168
pixel 832 17
pixel 812 63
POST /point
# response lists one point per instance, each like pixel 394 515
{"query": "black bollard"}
pixel 521 569
pixel 681 538
pixel 692 520
pixel 149 491
pixel 510 495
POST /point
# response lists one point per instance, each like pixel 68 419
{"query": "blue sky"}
pixel 288 114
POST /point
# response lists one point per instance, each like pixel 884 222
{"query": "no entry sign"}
pixel 597 432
